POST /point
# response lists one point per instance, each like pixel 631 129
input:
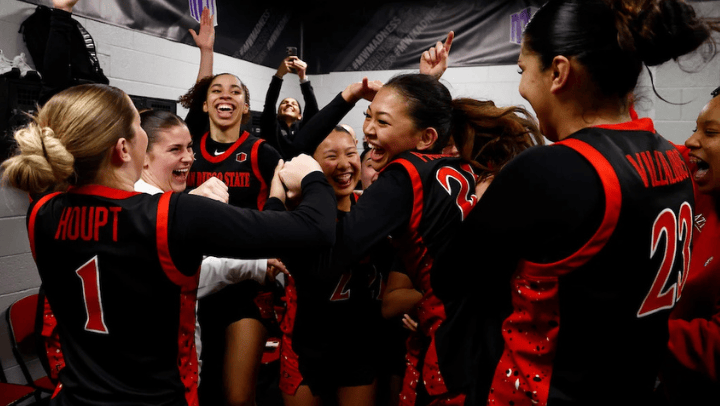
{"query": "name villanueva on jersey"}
pixel 659 168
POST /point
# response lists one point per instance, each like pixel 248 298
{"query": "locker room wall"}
pixel 144 65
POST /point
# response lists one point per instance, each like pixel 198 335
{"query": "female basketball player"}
pixel 219 106
pixel 167 162
pixel 120 268
pixel 420 198
pixel 408 123
pixel 574 257
pixel 690 373
pixel 331 335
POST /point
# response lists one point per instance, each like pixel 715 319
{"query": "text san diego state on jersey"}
pixel 245 166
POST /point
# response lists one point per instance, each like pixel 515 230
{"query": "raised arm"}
pixel 316 129
pixel 434 61
pixel 268 117
pixel 205 40
pixel 311 104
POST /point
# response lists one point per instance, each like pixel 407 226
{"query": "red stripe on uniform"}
pixel 187 354
pixel 163 249
pixel 290 376
pixel 417 193
pixel 613 201
pixel 642 124
pixel 263 194
pixel 219 158
pixel 103 191
pixel 31 221
pixel 523 374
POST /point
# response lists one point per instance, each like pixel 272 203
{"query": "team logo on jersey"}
pixel 241 157
pixel 699 222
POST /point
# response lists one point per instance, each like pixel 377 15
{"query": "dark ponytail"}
pixel 488 136
pixel 613 38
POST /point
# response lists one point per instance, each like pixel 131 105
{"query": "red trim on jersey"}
pixel 58 388
pixel 103 191
pixel 417 193
pixel 421 357
pixel 290 376
pixel 633 113
pixel 642 124
pixel 430 157
pixel 613 201
pixel 31 221
pixel 524 372
pixel 187 354
pixel 263 194
pixel 163 248
pixel 219 158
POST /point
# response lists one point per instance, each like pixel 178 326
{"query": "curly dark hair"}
pixel 197 95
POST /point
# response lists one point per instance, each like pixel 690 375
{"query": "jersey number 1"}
pixel 90 277
pixel 676 229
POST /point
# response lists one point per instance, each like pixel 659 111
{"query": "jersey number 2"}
pixel 464 203
pixel 90 277
pixel 676 229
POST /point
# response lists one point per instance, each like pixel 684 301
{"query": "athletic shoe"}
pixel 25 69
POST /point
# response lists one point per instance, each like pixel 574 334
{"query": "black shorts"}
pixel 325 373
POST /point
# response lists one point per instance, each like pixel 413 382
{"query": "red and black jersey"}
pixel 120 272
pixel 343 352
pixel 245 166
pixel 586 327
pixel 443 195
pixel 419 200
pixel 690 372
pixel 127 315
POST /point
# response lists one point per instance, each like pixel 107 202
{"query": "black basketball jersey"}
pixel 127 315
pixel 350 297
pixel 245 166
pixel 591 328
pixel 443 195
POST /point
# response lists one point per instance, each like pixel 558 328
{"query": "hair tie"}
pixel 42 142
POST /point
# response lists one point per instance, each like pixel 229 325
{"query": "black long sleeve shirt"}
pixel 276 132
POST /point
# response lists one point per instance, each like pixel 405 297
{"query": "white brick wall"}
pixel 149 66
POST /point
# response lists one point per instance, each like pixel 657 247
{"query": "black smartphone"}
pixel 291 51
